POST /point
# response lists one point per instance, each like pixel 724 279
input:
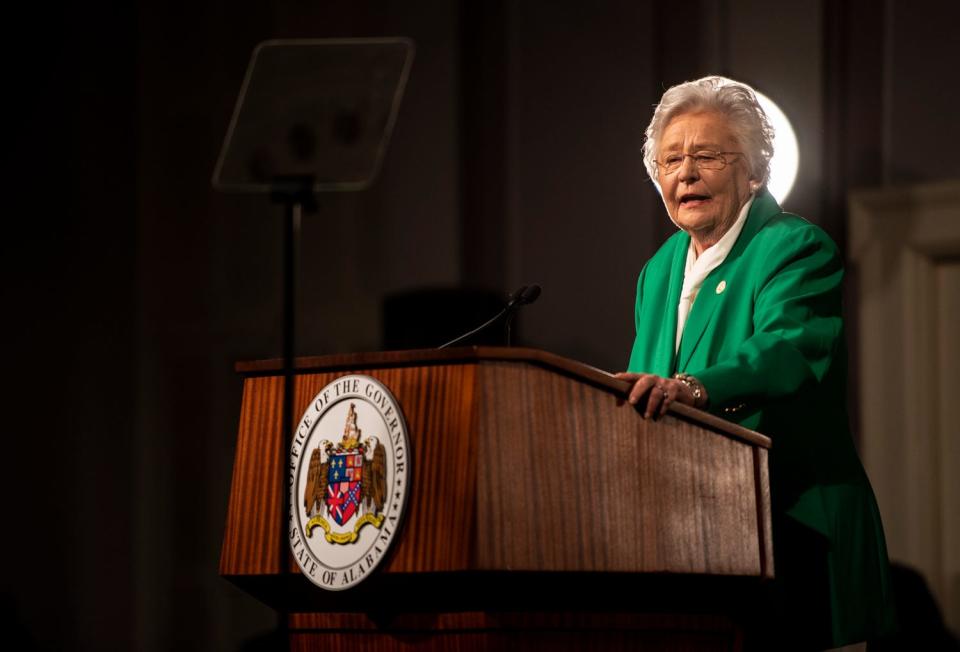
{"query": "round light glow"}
pixel 786 153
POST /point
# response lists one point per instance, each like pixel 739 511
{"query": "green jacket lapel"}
pixel 764 207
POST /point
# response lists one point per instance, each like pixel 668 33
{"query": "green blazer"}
pixel 765 337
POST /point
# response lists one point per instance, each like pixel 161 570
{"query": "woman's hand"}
pixel 661 392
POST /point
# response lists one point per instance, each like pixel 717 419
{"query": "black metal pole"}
pixel 291 264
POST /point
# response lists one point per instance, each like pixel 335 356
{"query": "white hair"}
pixel 730 98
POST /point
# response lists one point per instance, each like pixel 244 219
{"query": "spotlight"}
pixel 786 157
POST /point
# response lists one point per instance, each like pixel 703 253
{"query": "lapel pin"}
pixel 721 286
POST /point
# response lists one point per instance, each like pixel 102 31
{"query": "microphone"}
pixel 526 294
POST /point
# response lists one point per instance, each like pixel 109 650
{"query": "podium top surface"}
pixel 479 354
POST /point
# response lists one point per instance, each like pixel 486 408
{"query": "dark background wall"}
pixel 130 287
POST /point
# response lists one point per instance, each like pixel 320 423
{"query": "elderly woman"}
pixel 739 314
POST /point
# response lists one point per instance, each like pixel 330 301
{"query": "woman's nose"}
pixel 688 169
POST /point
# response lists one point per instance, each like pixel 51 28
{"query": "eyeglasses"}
pixel 704 160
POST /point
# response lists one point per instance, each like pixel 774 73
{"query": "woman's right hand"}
pixel 660 391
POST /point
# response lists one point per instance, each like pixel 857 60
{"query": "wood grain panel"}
pixel 761 464
pixel 570 479
pixel 252 535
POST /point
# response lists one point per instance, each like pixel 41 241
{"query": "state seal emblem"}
pixel 349 471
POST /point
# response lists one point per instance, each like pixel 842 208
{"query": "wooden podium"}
pixel 544 512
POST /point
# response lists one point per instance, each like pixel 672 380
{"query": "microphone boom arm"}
pixel 526 294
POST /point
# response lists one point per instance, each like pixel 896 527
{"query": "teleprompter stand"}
pixel 312 116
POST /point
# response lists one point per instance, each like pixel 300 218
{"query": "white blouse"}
pixel 698 267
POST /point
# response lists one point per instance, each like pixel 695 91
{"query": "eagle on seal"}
pixel 373 489
pixel 316 491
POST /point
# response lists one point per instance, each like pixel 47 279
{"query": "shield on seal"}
pixel 344 478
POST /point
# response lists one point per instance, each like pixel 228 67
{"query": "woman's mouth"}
pixel 692 200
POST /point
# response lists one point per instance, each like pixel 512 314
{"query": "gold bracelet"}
pixel 696 388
